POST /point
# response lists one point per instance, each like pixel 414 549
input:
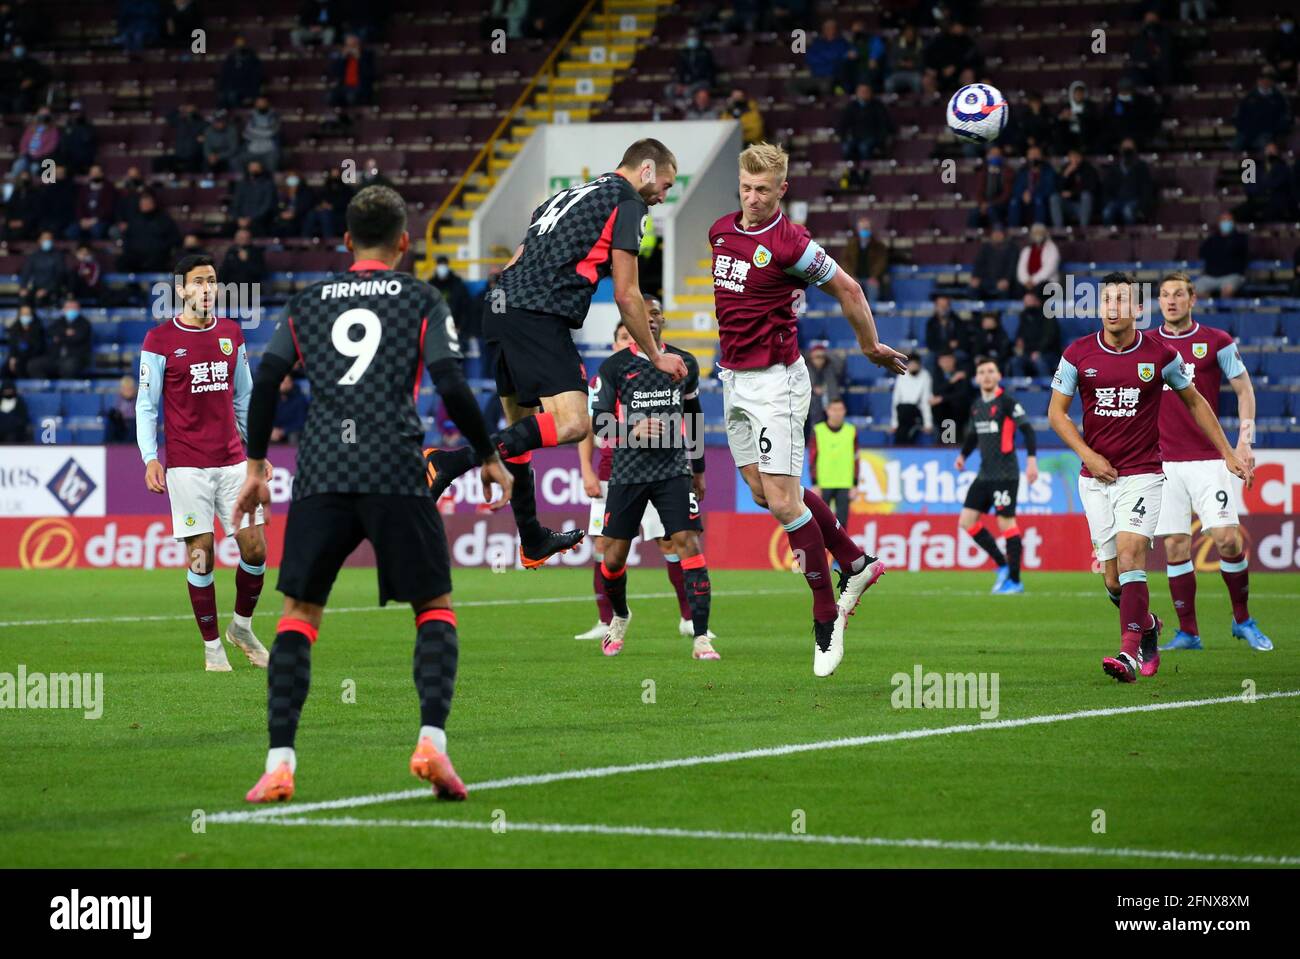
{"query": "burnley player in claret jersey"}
pixel 1119 373
pixel 1195 478
pixel 194 368
pixel 762 263
pixel 995 417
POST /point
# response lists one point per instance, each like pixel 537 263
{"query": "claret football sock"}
pixel 248 588
pixel 1236 577
pixel 1134 609
pixel 679 584
pixel 203 599
pixel 1182 589
pixel 602 601
pixel 837 539
pixel 810 554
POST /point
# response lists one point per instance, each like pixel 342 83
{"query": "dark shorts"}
pixel 996 495
pixel 536 355
pixel 405 531
pixel 673 499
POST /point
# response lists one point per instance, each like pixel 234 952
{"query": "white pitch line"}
pixel 657 832
pixel 600 772
pixel 396 607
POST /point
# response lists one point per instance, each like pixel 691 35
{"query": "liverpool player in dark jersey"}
pixel 1119 373
pixel 1195 478
pixel 762 263
pixel 995 416
pixel 595 482
pixel 657 429
pixel 575 238
pixel 364 339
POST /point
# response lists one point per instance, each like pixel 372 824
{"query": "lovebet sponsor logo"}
pixel 102 913
pixel 27 690
pixel 921 690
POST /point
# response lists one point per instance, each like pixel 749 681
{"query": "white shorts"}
pixel 197 494
pixel 652 527
pixel 1203 486
pixel 765 411
pixel 1131 504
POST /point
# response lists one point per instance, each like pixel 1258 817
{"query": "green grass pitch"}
pixel 122 790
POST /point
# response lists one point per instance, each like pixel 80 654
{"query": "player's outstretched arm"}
pixel 1058 414
pixel 631 307
pixel 1245 390
pixel 853 302
pixel 1209 425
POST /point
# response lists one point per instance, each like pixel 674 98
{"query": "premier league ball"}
pixel 978 113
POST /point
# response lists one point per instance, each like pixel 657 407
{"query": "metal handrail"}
pixel 547 68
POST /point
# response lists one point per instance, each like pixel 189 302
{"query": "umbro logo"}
pixel 1089 372
pixel 180 352
pixel 719 241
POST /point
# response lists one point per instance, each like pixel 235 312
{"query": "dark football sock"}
pixel 616 589
pixel 1014 552
pixel 1114 596
pixel 523 502
pixel 698 592
pixel 436 653
pixel 990 546
pixel 288 678
pixel 519 438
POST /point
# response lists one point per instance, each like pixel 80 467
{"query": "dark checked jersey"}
pixel 568 247
pixel 1211 356
pixel 629 388
pixel 364 338
pixel 993 425
pixel 1121 392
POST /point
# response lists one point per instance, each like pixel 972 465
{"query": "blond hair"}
pixel 1178 276
pixel 759 158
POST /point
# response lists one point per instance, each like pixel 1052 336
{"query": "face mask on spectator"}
pixel 692 43
pixel 1225 227
pixel 995 162
pixel 1287 27
pixel 25 319
pixel 442 270
pixel 20 52
pixel 864 234
pixel 47 245
pixel 71 315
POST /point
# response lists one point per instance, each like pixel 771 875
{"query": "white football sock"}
pixel 438 736
pixel 284 754
pixel 242 622
pixel 212 643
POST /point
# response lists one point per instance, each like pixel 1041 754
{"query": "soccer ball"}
pixel 978 113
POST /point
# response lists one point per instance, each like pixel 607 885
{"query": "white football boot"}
pixel 687 628
pixel 244 639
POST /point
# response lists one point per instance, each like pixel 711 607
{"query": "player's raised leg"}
pixel 437 651
pixel 973 523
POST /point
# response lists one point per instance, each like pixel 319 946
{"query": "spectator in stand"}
pixel 453 289
pixel 121 415
pixel 127 204
pixel 950 399
pixel 40 142
pixel 68 346
pixel 191 245
pixel 992 191
pixel 244 262
pixel 990 339
pixel 905 63
pixel 240 82
pixel 951 52
pixel 290 412
pixel 373 177
pixel 994 274
pixel 21 209
pixel 182 18
pixel 833 467
pixel 57 203
pixel 695 68
pixel 187 148
pixel 220 144
pixel 296 202
pixel 1128 189
pixel 44 276
pixel 1129 115
pixel 262 136
pixel 826 374
pixel 871 53
pixel 1152 54
pixel 352 71
pixel 253 206
pixel 317 24
pixel 1080 186
pixel 1283 52
pixel 1040 260
pixel 1035 193
pixel 1272 197
pixel 1032 126
pixel 79 142
pixel 702 106
pixel 24 81
pixel 26 342
pixel 1264 114
pixel 1078 121
pixel 741 107
pixel 1037 349
pixel 15 421
pixel 149 240
pixel 139 24
pixel 87 276
pixel 332 196
pixel 867 259
pixel 825 54
pixel 1226 255
pixel 865 130
pixel 945 330
pixel 912 409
